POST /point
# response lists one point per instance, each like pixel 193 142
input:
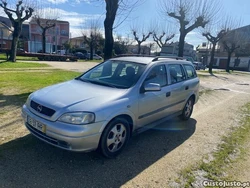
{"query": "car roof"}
pixel 152 59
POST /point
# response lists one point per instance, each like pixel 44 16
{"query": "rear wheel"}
pixel 188 109
pixel 114 137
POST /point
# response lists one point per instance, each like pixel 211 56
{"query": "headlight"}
pixel 78 118
pixel 28 100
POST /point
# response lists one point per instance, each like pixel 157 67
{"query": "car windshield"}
pixel 114 73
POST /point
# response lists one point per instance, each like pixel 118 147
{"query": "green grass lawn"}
pixel 3 57
pixel 22 65
pixel 23 82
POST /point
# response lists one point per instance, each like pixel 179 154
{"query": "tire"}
pixel 187 110
pixel 114 137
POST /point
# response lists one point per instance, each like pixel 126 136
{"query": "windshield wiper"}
pixel 95 82
pixel 83 79
pixel 102 83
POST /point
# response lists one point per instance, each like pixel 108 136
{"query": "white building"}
pixel 171 49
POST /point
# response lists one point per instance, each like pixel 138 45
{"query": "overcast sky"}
pixel 80 12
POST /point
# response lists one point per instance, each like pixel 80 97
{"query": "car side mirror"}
pixel 151 87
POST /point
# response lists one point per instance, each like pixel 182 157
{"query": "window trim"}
pixel 147 73
pixel 195 74
pixel 183 71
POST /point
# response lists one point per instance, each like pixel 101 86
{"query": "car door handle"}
pixel 168 94
pixel 187 87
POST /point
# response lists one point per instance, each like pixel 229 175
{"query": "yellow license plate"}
pixel 36 124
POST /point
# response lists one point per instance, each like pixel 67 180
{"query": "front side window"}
pixel 114 73
pixel 176 73
pixel 157 75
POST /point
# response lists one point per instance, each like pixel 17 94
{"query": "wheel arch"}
pixel 128 118
pixel 193 97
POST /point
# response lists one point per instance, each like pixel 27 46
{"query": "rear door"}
pixel 192 80
pixel 178 85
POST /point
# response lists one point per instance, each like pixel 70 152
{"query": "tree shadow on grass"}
pixel 28 162
pixel 13 100
pixel 5 61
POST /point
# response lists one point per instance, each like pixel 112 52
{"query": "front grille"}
pixel 47 138
pixel 42 109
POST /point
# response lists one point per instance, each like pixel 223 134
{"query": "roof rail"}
pixel 134 55
pixel 156 58
pixel 171 57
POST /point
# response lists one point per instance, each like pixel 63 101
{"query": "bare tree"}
pixel 21 13
pixel 214 34
pixel 68 46
pixel 166 34
pixel 232 41
pixel 92 36
pixel 190 14
pixel 121 44
pixel 145 36
pixel 159 39
pixel 112 8
pixel 150 47
pixel 45 19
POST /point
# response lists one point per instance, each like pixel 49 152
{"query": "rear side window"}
pixel 176 73
pixel 190 71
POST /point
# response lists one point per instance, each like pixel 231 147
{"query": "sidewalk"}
pixel 72 66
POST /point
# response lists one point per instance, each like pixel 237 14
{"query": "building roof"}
pixel 6 21
pixel 54 20
pixel 77 38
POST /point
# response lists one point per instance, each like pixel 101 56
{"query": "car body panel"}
pixel 106 103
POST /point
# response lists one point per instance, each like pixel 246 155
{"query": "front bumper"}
pixel 66 136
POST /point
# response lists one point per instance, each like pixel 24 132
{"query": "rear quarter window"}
pixel 190 71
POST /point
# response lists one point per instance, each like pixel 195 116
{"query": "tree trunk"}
pixel 109 40
pixel 91 49
pixel 16 34
pixel 228 61
pixel 181 43
pixel 111 9
pixel 139 49
pixel 212 59
pixel 44 40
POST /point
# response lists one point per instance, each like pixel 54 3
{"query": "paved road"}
pixel 73 66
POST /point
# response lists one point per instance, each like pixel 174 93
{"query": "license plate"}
pixel 37 125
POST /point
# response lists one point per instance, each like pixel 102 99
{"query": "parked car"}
pixel 21 51
pixel 103 107
pixel 80 55
pixel 196 66
pixel 95 56
pixel 199 66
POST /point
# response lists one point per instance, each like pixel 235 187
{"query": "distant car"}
pixel 105 105
pixel 95 56
pixel 202 67
pixel 199 66
pixel 196 66
pixel 80 55
pixel 20 50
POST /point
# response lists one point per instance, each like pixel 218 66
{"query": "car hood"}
pixel 76 95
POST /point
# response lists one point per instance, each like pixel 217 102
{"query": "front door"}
pixel 152 105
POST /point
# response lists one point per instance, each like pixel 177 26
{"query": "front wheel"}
pixel 187 110
pixel 114 137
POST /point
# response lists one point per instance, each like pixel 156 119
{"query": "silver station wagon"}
pixel 103 107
